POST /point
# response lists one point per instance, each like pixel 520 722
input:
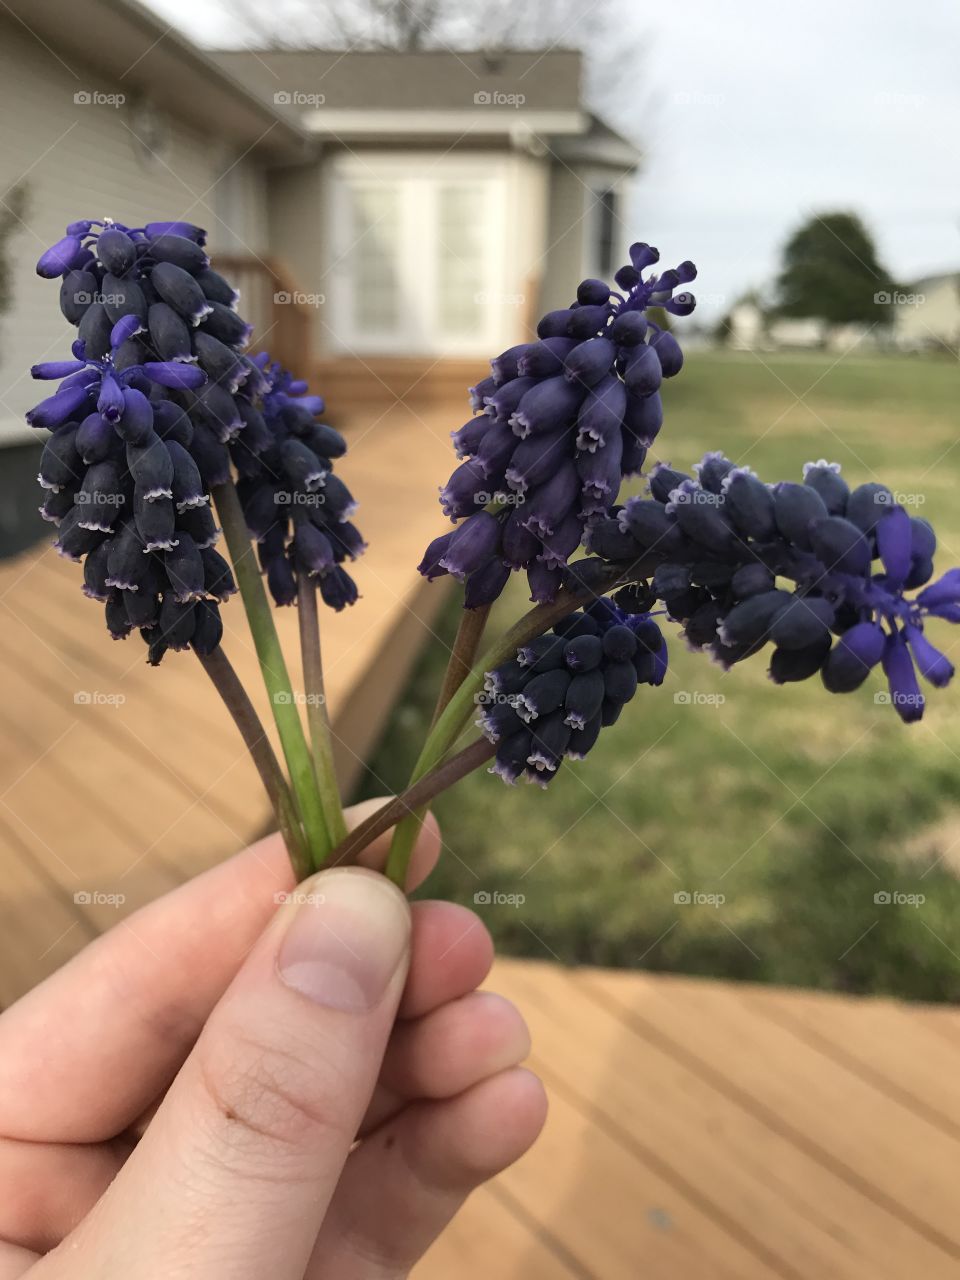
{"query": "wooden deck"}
pixel 697 1130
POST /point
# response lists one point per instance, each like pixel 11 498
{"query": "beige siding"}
pixel 91 160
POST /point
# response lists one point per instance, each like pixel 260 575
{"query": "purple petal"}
pixel 934 665
pixel 56 409
pixel 124 330
pixel 902 679
pixel 946 590
pixel 59 258
pixel 172 373
pixel 56 369
pixel 894 542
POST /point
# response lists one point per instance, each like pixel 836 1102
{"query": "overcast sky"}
pixel 755 113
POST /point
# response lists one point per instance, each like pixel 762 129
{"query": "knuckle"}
pixel 263 1094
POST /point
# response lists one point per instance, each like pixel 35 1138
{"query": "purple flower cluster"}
pixel 727 541
pixel 157 403
pixel 552 700
pixel 561 422
pixel 294 505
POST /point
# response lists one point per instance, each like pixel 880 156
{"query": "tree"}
pixel 831 271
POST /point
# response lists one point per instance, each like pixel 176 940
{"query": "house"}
pixel 928 313
pixel 374 207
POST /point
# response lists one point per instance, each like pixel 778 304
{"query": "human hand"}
pixel 184 1097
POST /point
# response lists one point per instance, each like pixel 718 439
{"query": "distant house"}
pixel 374 206
pixel 928 313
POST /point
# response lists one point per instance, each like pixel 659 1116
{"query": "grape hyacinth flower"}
pixel 561 422
pixel 730 545
pixel 552 700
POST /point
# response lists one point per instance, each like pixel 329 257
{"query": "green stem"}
pixel 317 715
pixel 462 655
pixel 421 793
pixel 451 721
pixel 235 698
pixel 274 669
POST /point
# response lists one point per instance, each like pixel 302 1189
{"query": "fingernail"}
pixel 347 939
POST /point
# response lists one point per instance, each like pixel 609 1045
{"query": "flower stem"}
pixel 416 796
pixel 462 655
pixel 275 675
pixel 227 683
pixel 317 714
pixel 450 722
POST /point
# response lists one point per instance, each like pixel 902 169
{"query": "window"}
pixel 606 223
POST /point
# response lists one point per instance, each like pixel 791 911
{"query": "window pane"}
pixel 374 256
pixel 460 281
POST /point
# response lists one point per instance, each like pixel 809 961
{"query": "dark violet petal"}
pixel 125 329
pixel 901 676
pixel 853 657
pixel 59 258
pixel 175 374
pixel 894 542
pixel 57 409
pixel 934 666
pixel 52 369
pixel 946 590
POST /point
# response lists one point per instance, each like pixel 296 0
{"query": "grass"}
pixel 787 809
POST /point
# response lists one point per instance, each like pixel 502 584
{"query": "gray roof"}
pixel 432 93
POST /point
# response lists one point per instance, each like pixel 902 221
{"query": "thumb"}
pixel 235 1172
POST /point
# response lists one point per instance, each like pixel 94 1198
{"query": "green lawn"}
pixel 787 807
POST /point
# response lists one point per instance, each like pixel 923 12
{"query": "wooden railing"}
pixel 269 301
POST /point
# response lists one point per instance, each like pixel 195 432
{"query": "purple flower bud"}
pixel 543 694
pixel 750 504
pixel 101 498
pixel 545 359
pixel 590 361
pixel 642 372
pixel 169 333
pixel 58 408
pixel 210 455
pixel 199 523
pixel 302 465
pixel 547 506
pixel 155 521
pixel 110 402
pixel 584 322
pixel 583 653
pixel 338 589
pixel 504 366
pixel 178 288
pixel 186 484
pixel 600 474
pixel 629 329
pixel 805 621
pixel 151 467
pixel 511 758
pixel 934 666
pixel 94 331
pixel 155 229
pixel 535 460
pixel 519 546
pixel 788 666
pixel 750 621
pixel 795 508
pixel 177 621
pixel 750 580
pixel 312 550
pixel 123 298
pixel 184 568
pixel 584 698
pixel 826 479
pixel 430 566
pixel 116 251
pixel 601 413
pixel 549 406
pixel 220 362
pixel 458 496
pixel 60 464
pixel 217 574
pixel 126 564
pixel 545 581
pixel 867 504
pixel 667 348
pixel 478 394
pixel 175 374
pixel 95 573
pixel 663 480
pixel 549 739
pixel 902 679
pixel 894 543
pixel 554 324
pixel 474 542
pixel 496 450
pixel 486 585
pixel 54 369
pixel 216 289
pixel 645 520
pixel 77 292
pixel 467 440
pixel 503 403
pixel 619 681
pixel 840 546
pixel 135 425
pixel 180 250
pixel 59 258
pixel 560 544
pixel 946 590
pixel 853 657
pixel 208 627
